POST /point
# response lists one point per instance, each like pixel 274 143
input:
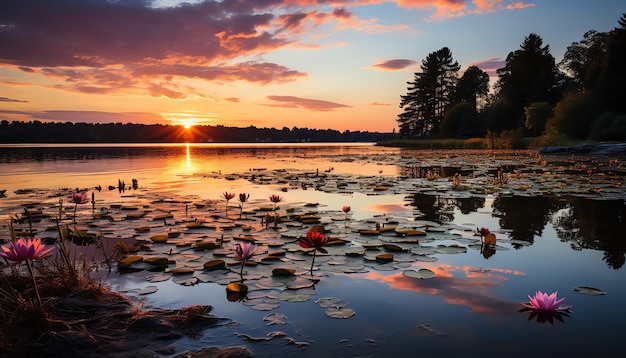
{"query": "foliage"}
pixel 537 115
pixel 574 115
pixel 507 139
pixel 609 127
pixel 53 132
pixel 459 121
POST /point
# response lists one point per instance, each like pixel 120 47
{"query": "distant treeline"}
pixel 68 132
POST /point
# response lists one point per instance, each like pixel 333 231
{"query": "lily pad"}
pixel 589 291
pixel 340 312
pixel 159 238
pixel 421 273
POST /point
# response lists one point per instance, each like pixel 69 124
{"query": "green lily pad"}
pixel 421 273
pixel 589 291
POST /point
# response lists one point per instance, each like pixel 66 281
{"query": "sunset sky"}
pixel 335 64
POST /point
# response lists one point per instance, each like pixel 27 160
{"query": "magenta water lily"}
pixel 243 252
pixel 545 302
pixel 27 250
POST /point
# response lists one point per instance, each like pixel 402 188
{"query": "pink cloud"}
pixel 490 65
pixel 393 65
pixel 306 103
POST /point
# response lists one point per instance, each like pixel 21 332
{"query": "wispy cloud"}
pixel 6 99
pixel 88 116
pixel 490 65
pixel 393 65
pixel 306 103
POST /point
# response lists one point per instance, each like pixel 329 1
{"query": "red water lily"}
pixel 314 240
pixel 275 199
pixel 226 195
pixel 243 197
pixel 346 209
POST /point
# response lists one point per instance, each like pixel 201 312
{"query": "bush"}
pixel 609 127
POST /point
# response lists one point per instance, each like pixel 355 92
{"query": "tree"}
pixel 529 75
pixel 429 95
pixel 474 84
pixel 584 61
pixel 537 115
pixel 610 86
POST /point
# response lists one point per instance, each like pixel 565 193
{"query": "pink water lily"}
pixel 544 302
pixel 243 252
pixel 26 249
pixel 78 198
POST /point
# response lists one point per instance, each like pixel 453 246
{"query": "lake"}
pixel 559 223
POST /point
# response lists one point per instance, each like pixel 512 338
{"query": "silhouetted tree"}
pixel 429 95
pixel 530 75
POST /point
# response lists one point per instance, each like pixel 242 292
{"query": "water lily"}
pixel 346 209
pixel 243 197
pixel 314 240
pixel 243 252
pixel 78 198
pixel 544 302
pixel 27 250
pixel 275 199
pixel 226 195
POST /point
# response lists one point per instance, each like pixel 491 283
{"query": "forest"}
pixel 68 132
pixel 579 98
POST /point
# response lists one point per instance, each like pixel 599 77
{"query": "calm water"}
pixel 549 243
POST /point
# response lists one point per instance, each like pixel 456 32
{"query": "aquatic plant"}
pixel 346 209
pixel 543 302
pixel 243 197
pixel 314 240
pixel 27 250
pixel 487 237
pixel 275 199
pixel 243 252
pixel 226 195
pixel 78 198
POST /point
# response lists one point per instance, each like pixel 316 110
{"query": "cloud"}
pixel 444 9
pixel 7 99
pixel 87 116
pixel 393 65
pixel 306 103
pixel 380 104
pixel 490 65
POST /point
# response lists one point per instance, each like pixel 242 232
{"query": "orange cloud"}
pixel 306 103
pixel 475 290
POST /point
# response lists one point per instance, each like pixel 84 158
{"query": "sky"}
pixel 318 64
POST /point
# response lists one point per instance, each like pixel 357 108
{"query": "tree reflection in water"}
pixel 583 222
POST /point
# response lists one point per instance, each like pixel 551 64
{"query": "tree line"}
pixel 68 132
pixel 582 97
